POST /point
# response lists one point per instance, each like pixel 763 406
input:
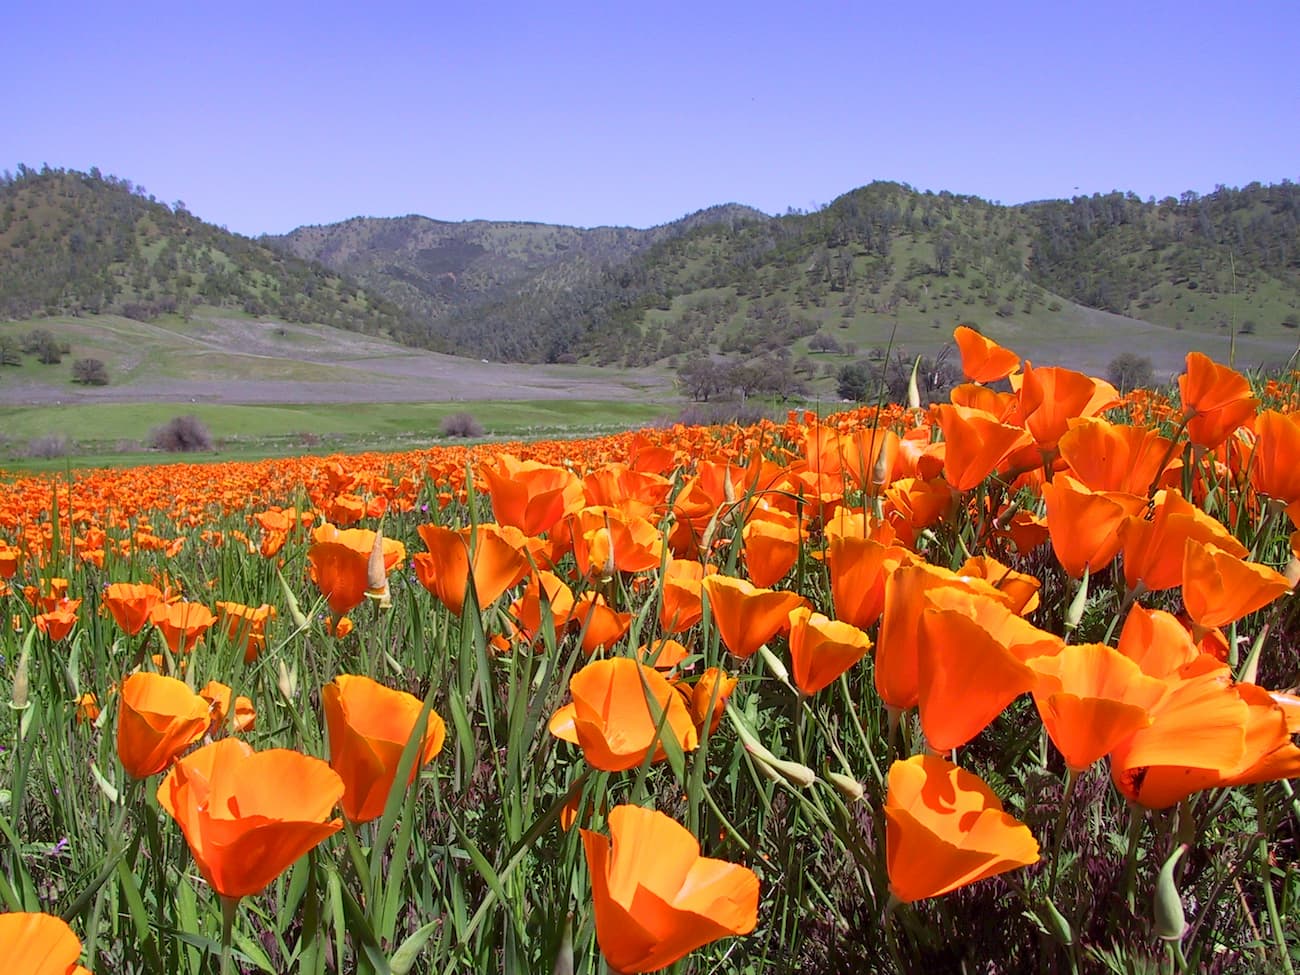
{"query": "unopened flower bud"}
pixel 849 787
pixel 1170 921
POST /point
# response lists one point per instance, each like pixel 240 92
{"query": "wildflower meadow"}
pixel 1006 683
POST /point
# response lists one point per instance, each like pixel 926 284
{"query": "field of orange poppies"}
pixel 1002 684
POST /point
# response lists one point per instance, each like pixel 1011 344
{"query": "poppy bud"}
pixel 1170 921
pixel 775 665
pixel 1074 613
pixel 913 390
pixel 296 614
pixel 1056 924
pixel 18 700
pixel 848 786
pixel 288 683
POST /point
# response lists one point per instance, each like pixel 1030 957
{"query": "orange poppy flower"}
pixel 87 708
pixel 1219 588
pixel 369 726
pixel 8 561
pixel 610 717
pixel 530 495
pixel 598 623
pixel 1084 525
pixel 58 622
pixel 682 606
pixel 858 569
pixel 821 649
pixel 1156 642
pixel 770 549
pixel 158 718
pixel 248 816
pixel 1275 464
pixel 445 569
pixel 246 626
pixel 607 541
pixel 1208 732
pixel 656 898
pixel 748 616
pixel 982 359
pixel 1154 548
pixel 634 492
pixel 666 654
pixel 340 564
pixel 39 944
pixel 1051 396
pixel 907 590
pixel 1216 400
pixel 131 603
pixel 1091 698
pixel 709 697
pixel 544 589
pixel 1021 589
pixel 944 829
pixel 1117 456
pixel 966 673
pixel 975 444
pixel 218 696
pixel 182 623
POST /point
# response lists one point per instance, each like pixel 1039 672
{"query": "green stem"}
pixel 1071 780
pixel 1135 822
pixel 229 909
pixel 1270 902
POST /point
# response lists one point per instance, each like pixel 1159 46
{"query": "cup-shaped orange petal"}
pixel 821 649
pixel 709 698
pixel 369 726
pixel 1153 549
pixel 617 711
pixel 182 623
pixel 682 605
pixel 656 898
pixel 1084 525
pixel 975 444
pixel 747 616
pixel 1116 456
pixel 967 676
pixel 248 816
pixel 770 550
pixel 1220 588
pixel 130 604
pixel 1275 465
pixel 1091 698
pixel 858 569
pixel 944 829
pixel 39 944
pixel 1216 400
pixel 1156 642
pixel 445 570
pixel 598 623
pixel 158 718
pixel 339 564
pixel 1052 396
pixel 907 592
pixel 982 359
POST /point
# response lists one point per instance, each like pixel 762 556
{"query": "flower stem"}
pixel 229 908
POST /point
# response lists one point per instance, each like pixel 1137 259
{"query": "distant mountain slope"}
pixel 87 244
pixel 438 270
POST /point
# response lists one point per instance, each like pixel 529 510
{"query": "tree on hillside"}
pixel 90 372
pixel 1129 371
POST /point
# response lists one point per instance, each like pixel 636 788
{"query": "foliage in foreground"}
pixel 1007 685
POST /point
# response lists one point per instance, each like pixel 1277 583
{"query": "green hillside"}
pixel 74 243
pixel 886 260
pixel 443 272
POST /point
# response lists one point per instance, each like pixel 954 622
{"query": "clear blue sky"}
pixel 264 116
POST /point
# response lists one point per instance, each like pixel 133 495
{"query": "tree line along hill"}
pixel 883 260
